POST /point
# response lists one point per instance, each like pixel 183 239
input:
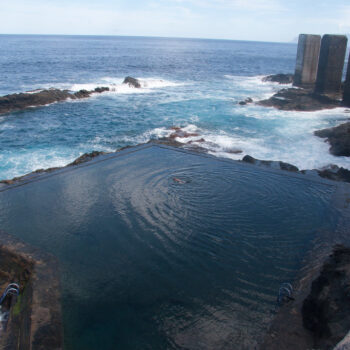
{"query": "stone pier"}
pixel 346 95
pixel 307 60
pixel 331 64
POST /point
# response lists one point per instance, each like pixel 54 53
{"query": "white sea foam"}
pixel 116 85
pixel 254 87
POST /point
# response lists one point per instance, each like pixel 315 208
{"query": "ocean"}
pixel 195 84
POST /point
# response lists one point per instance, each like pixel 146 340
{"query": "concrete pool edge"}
pixel 35 320
pixel 43 174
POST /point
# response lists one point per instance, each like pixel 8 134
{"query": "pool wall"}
pixel 35 315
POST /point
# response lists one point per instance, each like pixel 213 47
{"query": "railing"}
pixel 11 289
pixel 285 293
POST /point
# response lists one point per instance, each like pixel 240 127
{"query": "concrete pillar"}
pixel 346 95
pixel 331 64
pixel 307 60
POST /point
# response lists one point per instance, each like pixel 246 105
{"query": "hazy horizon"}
pixel 255 20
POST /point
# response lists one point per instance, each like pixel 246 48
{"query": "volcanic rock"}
pixel 338 137
pixel 132 82
pixel 326 311
pixel 300 100
pixel 279 78
pixel 246 101
pixel 16 102
pixel 270 163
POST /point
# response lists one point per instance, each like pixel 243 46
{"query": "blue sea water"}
pixel 191 83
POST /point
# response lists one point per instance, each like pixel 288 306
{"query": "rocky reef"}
pixel 17 102
pixel 304 100
pixel 339 139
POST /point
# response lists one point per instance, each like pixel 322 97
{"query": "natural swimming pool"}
pixel 150 262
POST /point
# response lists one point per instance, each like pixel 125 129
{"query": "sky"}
pixel 257 20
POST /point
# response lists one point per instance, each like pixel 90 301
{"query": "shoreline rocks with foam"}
pixel 296 99
pixel 331 172
pixel 21 101
pixel 338 137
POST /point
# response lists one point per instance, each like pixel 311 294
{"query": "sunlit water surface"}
pixel 195 84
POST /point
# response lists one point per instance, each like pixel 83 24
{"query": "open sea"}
pixel 191 83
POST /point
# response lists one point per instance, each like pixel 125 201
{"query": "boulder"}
pixel 246 101
pixel 338 137
pixel 132 82
pixel 279 78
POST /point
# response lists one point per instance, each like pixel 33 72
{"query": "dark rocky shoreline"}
pixel 338 137
pixel 303 100
pixel 319 317
pixel 43 97
pixel 18 102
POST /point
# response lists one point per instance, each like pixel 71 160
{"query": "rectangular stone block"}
pixel 331 64
pixel 346 95
pixel 307 60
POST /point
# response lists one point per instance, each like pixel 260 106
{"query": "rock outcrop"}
pixel 132 82
pixel 279 78
pixel 300 100
pixel 319 317
pixel 270 164
pixel 17 102
pixel 246 101
pixel 34 320
pixel 339 139
pixel 326 311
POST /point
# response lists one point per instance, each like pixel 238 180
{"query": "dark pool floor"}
pixel 165 249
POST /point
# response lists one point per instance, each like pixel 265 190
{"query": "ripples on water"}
pixel 151 262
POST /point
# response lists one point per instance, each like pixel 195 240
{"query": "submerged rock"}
pixel 279 78
pixel 17 102
pixel 338 137
pixel 300 100
pixel 132 82
pixel 246 101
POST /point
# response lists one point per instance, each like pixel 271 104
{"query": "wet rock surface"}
pixel 333 172
pixel 246 101
pixel 326 311
pixel 86 157
pixel 319 317
pixel 279 78
pixel 270 164
pixel 339 139
pixel 300 100
pixel 17 102
pixel 35 320
pixel 132 82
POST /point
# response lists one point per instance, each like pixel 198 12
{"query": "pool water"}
pixel 164 249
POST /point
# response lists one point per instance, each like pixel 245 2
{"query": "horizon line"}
pixel 148 36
